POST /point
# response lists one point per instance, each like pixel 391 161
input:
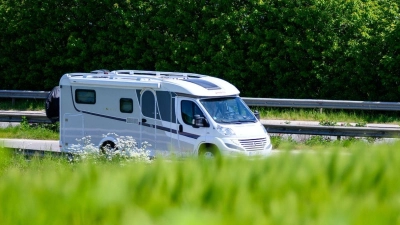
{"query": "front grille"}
pixel 253 144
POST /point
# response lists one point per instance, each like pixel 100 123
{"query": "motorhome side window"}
pixel 126 105
pixel 188 110
pixel 84 96
pixel 149 105
pixel 166 103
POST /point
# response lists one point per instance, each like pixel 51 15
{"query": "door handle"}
pixel 144 120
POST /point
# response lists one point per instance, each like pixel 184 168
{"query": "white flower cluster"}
pixel 85 149
pixel 125 150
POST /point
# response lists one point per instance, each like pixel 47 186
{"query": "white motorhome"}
pixel 184 113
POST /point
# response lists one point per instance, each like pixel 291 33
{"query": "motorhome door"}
pixel 148 132
pixel 190 136
pixel 72 129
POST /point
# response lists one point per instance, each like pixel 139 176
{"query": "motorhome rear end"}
pixel 182 113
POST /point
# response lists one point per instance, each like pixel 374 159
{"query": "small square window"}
pixel 126 105
pixel 83 96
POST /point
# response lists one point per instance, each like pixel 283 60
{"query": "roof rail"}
pixel 88 75
pixel 75 74
pixel 138 75
pixel 102 71
pixel 159 74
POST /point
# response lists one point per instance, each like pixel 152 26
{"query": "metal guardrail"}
pixel 31 116
pixel 23 94
pixel 326 104
pixel 262 102
pixel 333 131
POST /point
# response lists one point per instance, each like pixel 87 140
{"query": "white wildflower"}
pixel 125 150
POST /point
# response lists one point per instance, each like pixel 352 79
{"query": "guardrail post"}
pixel 12 101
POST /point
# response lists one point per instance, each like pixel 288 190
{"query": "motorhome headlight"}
pixel 233 146
pixel 225 131
pixel 235 141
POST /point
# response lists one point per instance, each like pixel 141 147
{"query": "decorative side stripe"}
pixel 105 116
pixel 166 129
pixel 190 135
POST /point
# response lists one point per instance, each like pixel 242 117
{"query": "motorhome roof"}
pixel 186 83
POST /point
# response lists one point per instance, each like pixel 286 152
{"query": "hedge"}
pixel 321 49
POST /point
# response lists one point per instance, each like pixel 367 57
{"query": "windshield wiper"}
pixel 236 121
pixel 223 121
pixel 247 121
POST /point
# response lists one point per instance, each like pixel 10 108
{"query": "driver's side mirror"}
pixel 199 121
pixel 257 114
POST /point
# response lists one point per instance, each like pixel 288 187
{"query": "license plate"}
pixel 253 153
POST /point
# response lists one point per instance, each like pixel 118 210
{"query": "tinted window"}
pixel 126 105
pixel 83 96
pixel 166 105
pixel 148 105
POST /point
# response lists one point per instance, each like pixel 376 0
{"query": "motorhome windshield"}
pixel 228 110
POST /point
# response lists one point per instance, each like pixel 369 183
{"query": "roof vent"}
pixel 203 83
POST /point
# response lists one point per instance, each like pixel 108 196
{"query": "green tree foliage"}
pixel 322 49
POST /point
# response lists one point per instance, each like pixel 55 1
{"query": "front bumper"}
pixel 227 147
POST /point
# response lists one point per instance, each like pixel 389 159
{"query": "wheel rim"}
pixel 209 155
pixel 107 147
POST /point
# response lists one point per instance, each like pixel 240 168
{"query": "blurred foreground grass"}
pixel 358 186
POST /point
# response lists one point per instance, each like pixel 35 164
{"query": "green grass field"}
pixel 359 185
pixel 31 131
pixel 332 115
pixel 22 104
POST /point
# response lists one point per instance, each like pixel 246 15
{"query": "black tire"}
pixel 107 146
pixel 209 151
